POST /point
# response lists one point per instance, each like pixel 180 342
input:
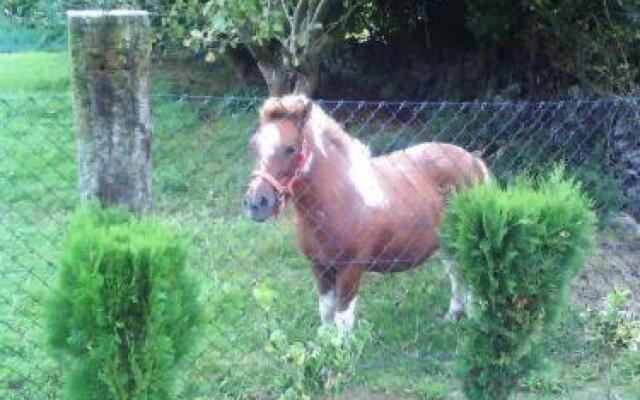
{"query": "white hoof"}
pixel 453 315
pixel 345 319
pixel 456 310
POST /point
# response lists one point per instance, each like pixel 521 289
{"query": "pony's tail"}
pixel 485 174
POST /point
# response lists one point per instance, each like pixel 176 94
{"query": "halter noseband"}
pixel 284 190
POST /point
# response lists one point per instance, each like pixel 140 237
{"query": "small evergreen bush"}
pixel 517 249
pixel 603 186
pixel 124 311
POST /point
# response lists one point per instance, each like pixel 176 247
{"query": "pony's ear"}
pixel 294 107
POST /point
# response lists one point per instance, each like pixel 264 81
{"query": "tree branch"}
pixel 261 54
pixel 320 9
pixel 295 30
pixel 287 14
pixel 310 7
pixel 296 15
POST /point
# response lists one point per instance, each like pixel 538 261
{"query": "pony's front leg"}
pixel 457 302
pixel 326 281
pixel 347 283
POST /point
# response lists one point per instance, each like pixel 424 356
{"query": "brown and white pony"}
pixel 354 212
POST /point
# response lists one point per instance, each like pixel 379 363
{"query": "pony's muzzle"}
pixel 259 202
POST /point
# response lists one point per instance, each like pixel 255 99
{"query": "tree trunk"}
pixel 307 76
pixel 276 77
pixel 282 80
pixel 305 84
pixel 110 54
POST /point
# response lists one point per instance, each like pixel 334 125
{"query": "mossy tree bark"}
pixel 110 59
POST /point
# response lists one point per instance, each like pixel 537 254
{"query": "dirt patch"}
pixel 359 393
pixel 616 263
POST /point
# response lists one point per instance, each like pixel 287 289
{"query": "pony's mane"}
pixel 294 107
pixel 301 110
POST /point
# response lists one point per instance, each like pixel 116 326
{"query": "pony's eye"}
pixel 289 150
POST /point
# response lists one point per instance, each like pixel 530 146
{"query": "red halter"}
pixel 285 190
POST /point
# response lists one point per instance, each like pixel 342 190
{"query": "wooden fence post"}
pixel 110 58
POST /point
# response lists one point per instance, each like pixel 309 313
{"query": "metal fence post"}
pixel 110 58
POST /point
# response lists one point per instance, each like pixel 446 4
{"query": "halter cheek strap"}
pixel 285 190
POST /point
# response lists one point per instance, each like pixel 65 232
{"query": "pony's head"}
pixel 279 151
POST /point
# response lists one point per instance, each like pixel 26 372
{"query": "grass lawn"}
pixel 35 73
pixel 200 169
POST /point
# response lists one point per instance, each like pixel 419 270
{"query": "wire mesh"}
pixel 201 166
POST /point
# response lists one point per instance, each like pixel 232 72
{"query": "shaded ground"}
pixel 615 264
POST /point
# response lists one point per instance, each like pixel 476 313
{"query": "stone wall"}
pixel 626 148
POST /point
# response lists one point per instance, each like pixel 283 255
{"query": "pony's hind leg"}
pixel 457 302
pixel 347 283
pixel 326 282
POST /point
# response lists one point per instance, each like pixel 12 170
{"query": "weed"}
pixel 323 365
pixel 613 330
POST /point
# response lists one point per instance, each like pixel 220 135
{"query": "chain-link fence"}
pixel 201 167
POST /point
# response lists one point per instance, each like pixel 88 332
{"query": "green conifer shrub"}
pixel 124 311
pixel 517 249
